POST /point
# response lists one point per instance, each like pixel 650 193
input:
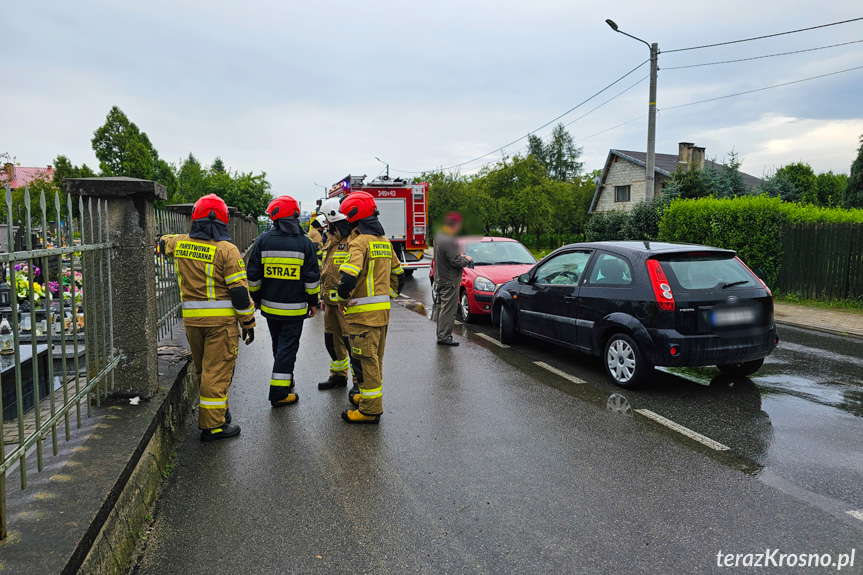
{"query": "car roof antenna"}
pixel 646 244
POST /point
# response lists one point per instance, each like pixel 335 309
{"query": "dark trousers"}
pixel 286 342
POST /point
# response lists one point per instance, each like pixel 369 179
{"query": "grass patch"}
pixel 845 305
pixel 169 467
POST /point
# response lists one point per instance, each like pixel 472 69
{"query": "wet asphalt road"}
pixel 488 463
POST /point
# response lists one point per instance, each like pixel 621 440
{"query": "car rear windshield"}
pixel 708 272
pixel 498 253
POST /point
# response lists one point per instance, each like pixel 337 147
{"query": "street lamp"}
pixel 650 175
pixel 386 164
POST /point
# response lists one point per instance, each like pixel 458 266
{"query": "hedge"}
pixel 751 225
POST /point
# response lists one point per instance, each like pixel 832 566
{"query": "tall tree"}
pixel 802 177
pixel 829 188
pixel 853 196
pixel 562 156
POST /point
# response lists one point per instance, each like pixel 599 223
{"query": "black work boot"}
pixel 221 432
pixel 333 382
pixel 228 417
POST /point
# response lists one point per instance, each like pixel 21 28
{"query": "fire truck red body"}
pixel 403 208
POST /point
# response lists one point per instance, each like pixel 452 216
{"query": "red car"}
pixel 495 261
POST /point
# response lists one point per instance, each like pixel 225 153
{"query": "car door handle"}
pixel 569 299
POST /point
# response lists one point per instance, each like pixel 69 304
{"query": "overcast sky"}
pixel 311 91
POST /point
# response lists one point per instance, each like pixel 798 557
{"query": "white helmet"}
pixel 330 209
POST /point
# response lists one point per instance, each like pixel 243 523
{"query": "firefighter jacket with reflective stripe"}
pixel 207 270
pixel 374 262
pixel 317 239
pixel 284 276
pixel 335 254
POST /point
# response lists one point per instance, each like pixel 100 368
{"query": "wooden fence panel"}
pixel 822 261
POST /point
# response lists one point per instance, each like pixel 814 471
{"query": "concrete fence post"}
pixel 131 221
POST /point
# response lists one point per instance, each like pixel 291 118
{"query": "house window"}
pixel 621 193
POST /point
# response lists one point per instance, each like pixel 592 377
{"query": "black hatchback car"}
pixel 643 304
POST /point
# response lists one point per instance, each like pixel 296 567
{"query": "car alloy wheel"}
pixel 464 308
pixel 621 361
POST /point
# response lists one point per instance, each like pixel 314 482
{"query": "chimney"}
pixel 697 157
pixel 50 167
pixel 684 152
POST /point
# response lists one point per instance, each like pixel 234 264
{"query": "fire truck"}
pixel 403 208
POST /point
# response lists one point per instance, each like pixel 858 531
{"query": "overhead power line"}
pixel 762 57
pixel 763 89
pixel 763 37
pixel 580 104
pixel 551 121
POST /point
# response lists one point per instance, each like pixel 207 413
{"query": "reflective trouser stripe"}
pixel 340 365
pixel 393 293
pixel 372 393
pixel 212 402
pixel 282 379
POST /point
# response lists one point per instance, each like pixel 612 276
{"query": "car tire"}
pixel 741 369
pixel 625 362
pixel 508 333
pixel 464 308
pixel 409 273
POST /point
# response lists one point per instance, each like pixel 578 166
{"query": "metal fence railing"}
pixel 59 299
pixel 168 303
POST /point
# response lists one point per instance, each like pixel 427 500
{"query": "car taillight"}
pixel 661 288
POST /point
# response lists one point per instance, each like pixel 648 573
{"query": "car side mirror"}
pixel 524 279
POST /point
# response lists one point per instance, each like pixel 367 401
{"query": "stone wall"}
pixel 623 173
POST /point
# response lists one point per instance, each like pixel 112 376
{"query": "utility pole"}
pixel 650 175
pixel 650 169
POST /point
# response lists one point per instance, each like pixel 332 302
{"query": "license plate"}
pixel 728 317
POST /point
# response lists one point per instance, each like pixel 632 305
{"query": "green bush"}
pixel 750 225
pixel 607 226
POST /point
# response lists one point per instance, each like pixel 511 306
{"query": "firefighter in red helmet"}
pixel 216 307
pixel 371 275
pixel 284 279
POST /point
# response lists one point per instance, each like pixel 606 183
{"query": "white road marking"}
pixel 556 371
pixel 702 439
pixel 856 514
pixel 491 339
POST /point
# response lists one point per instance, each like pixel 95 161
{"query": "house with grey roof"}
pixel 621 185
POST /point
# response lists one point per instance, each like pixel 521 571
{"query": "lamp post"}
pixel 386 164
pixel 650 172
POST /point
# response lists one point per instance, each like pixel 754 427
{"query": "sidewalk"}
pixel 821 319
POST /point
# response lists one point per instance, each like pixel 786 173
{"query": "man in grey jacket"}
pixel 448 266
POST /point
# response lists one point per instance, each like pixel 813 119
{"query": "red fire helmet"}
pixel 283 207
pixel 210 204
pixel 358 206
